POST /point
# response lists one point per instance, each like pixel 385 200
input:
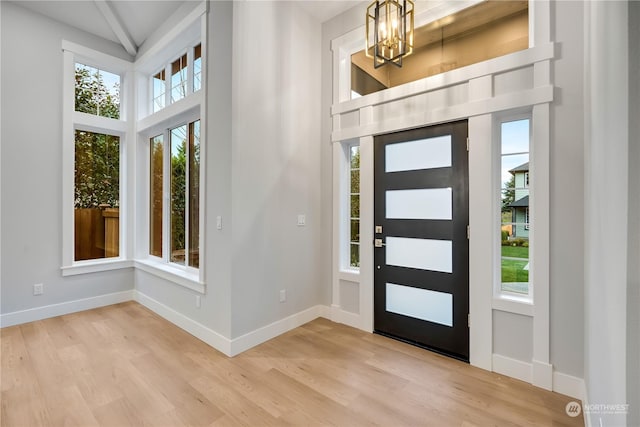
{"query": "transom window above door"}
pixel 487 30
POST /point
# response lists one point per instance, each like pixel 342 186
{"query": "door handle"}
pixel 378 243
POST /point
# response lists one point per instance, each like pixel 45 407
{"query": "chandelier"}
pixel 389 30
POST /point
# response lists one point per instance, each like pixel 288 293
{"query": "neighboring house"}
pixel 520 206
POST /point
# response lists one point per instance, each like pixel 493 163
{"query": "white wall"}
pixel 606 203
pixel 512 335
pixel 275 165
pixel 31 164
pixel 566 192
pixel 633 259
pixel 215 310
pixel 263 170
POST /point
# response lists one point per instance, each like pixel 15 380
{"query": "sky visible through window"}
pixel 97 91
pixel 515 146
pixel 111 81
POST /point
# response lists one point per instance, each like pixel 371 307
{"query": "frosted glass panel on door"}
pixel 426 203
pixel 425 254
pixel 422 304
pixel 427 153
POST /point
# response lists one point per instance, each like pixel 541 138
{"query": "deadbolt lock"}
pixel 378 229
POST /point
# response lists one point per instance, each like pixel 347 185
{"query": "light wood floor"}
pixel 123 365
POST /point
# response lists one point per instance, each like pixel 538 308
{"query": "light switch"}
pixel 219 222
pixel 302 220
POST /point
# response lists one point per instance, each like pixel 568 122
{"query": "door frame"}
pixel 480 296
pixel 453 340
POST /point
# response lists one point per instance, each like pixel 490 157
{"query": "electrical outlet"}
pixel 38 289
pixel 302 220
pixel 283 295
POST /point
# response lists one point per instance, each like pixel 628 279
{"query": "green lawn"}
pixel 514 277
pixel 515 251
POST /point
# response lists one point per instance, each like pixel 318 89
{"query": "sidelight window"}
pixel 515 263
pixel 354 206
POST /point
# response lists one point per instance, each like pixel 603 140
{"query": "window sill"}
pixel 349 274
pixel 513 304
pixel 173 274
pixel 95 266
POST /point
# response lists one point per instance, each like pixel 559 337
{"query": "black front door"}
pixel 421 258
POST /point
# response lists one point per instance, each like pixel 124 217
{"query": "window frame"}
pixel 189 277
pixel 351 218
pixel 150 124
pixel 189 52
pixel 166 189
pixel 74 120
pixel 345 209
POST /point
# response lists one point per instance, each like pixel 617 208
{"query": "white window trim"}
pixel 164 130
pixel 171 272
pixel 72 121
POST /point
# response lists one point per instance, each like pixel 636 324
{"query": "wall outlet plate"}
pixel 38 289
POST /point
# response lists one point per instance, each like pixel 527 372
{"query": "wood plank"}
pixel 124 365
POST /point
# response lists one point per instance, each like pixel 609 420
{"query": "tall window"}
pixel 97 196
pixel 514 215
pixel 96 167
pixel 155 191
pixel 182 171
pixel 354 206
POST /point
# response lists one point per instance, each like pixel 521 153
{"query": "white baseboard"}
pixel 542 375
pixel 53 310
pixel 338 315
pixel 237 345
pixel 561 383
pixel 569 385
pixel 198 330
pixel 325 312
pixel 512 368
pixel 260 335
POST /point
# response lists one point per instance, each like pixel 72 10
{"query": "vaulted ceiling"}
pixel 130 22
pixel 126 22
